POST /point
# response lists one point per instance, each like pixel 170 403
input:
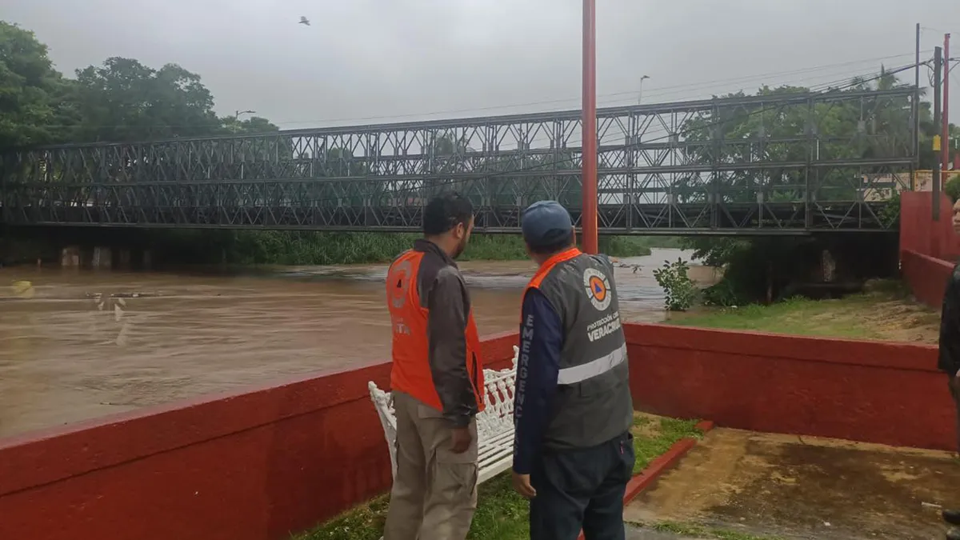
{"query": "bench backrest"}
pixel 498 415
pixel 497 418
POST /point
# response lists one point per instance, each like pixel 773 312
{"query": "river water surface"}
pixel 81 344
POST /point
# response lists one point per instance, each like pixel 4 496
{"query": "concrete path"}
pixel 634 533
pixel 802 487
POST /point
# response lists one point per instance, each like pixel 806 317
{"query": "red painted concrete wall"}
pixel 878 392
pixel 258 464
pixel 920 233
pixel 926 276
pixel 248 466
pixel 928 248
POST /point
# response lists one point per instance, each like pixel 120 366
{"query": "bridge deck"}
pixel 646 219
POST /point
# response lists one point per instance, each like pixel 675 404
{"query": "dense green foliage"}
pixel 679 291
pixel 763 269
pixel 952 187
pixel 120 100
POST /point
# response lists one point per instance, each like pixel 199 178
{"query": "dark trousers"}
pixel 955 392
pixel 581 489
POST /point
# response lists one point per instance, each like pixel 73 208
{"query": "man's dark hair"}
pixel 446 211
pixel 562 242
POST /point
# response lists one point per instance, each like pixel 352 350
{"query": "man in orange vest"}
pixel 437 380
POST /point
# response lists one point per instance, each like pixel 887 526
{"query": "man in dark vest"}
pixel 573 452
pixel 949 361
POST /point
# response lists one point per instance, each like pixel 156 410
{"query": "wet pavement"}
pixel 639 533
pixel 804 488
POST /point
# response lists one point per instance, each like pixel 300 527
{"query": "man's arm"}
pixel 950 327
pixel 446 335
pixel 541 339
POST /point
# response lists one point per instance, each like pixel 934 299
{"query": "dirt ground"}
pixel 637 533
pixel 803 488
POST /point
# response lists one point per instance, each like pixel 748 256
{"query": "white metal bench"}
pixel 494 424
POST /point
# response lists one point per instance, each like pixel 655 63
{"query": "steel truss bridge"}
pixel 776 164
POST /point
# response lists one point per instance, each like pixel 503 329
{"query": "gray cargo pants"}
pixel 435 492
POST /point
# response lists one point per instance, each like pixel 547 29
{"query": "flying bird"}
pixel 304 20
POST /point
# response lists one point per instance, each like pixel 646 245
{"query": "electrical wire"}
pixel 660 91
pixel 849 78
pixel 446 184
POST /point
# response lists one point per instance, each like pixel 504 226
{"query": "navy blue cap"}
pixel 545 223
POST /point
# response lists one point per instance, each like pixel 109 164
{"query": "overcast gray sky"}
pixel 362 61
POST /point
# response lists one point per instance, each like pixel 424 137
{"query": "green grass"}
pixel 884 313
pixel 363 522
pixel 653 436
pixel 699 531
pixel 501 513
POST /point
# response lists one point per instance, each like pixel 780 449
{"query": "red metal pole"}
pixel 945 138
pixel 588 219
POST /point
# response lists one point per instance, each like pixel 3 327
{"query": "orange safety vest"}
pixel 547 266
pixel 411 372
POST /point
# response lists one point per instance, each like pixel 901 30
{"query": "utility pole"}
pixel 945 138
pixel 588 216
pixel 916 106
pixel 937 144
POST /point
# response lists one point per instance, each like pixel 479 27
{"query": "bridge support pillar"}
pixel 147 260
pixel 70 257
pixel 102 257
pixel 123 258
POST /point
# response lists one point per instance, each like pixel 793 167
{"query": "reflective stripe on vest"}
pixel 593 368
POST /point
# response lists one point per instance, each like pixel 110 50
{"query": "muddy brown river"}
pixel 80 344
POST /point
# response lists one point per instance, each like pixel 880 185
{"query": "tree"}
pixel 123 100
pixel 870 128
pixel 252 125
pixel 31 90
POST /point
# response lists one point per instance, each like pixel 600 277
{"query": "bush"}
pixel 723 294
pixel 952 187
pixel 680 293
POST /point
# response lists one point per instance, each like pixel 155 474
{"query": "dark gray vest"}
pixel 593 403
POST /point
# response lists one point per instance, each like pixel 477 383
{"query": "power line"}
pixel 828 89
pixel 661 91
pixel 631 93
pixel 850 79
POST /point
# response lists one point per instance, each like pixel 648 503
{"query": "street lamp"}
pixel 640 97
pixel 237 116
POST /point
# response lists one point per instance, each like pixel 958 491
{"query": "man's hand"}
pixel 521 483
pixel 461 440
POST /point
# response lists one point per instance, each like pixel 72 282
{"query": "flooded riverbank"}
pixel 87 344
